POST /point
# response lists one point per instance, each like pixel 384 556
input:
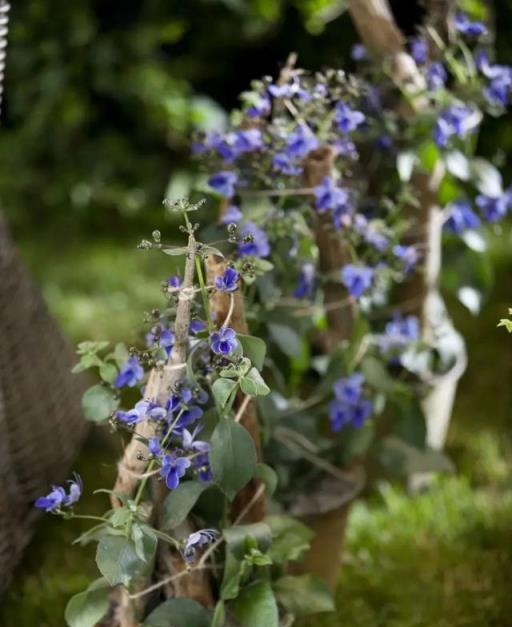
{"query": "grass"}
pixel 439 559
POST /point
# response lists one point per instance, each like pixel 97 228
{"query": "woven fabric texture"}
pixel 41 424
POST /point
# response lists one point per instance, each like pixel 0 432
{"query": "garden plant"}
pixel 303 346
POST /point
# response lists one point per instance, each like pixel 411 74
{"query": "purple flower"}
pixel 253 241
pixel 384 142
pixel 493 209
pixel 282 163
pixel 348 119
pixel 436 76
pixel 329 196
pixel 228 282
pixel 142 410
pixel 232 215
pixel 223 341
pixel 461 217
pixel 196 326
pixel 419 50
pixel 52 501
pixel 465 26
pixel 498 90
pixel 259 105
pixel 371 235
pixel 356 279
pixel 75 489
pixel 339 415
pixel 162 337
pixel 398 333
pixel 185 402
pixel 349 389
pixel 224 183
pixel 306 282
pixel 198 540
pixel 301 141
pixel 174 281
pixel 173 469
pixel 358 52
pixel 154 446
pixel 349 405
pixel 346 148
pixel 248 140
pixel 408 255
pixel 283 91
pixel 131 372
pixel 58 497
pixel 456 120
pixel 361 412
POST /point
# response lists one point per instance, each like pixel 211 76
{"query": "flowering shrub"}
pixel 298 306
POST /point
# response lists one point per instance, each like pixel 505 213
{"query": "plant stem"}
pixel 204 294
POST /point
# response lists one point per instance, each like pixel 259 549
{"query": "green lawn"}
pixel 440 559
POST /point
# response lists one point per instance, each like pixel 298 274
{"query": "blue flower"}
pixel 173 469
pixel 75 489
pixel 196 541
pixel 58 497
pixel 408 255
pixel 174 281
pixel 186 403
pixel 259 105
pixel 361 412
pixel 465 26
pixel 461 217
pixel 456 120
pixel 154 446
pixel 500 80
pixel 436 76
pixel 349 406
pixel 419 50
pixel 224 183
pixel 398 333
pixel 142 410
pixel 329 196
pixel 301 141
pixel 349 389
pixel 254 241
pixel 348 119
pixel 358 52
pixel 232 215
pixel 356 279
pixel 131 372
pixel 306 282
pixel 196 326
pixel 282 163
pixel 346 148
pixel 228 282
pixel 370 234
pixel 287 90
pixel 248 140
pixel 223 341
pixel 493 208
pixel 162 337
pixel 52 501
pixel 339 415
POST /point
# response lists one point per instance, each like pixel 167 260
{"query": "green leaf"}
pixel 219 615
pixel 223 389
pixel 231 580
pixel 175 251
pixel 402 459
pixel 120 354
pixel 303 594
pixel 256 606
pixel 237 535
pixel 458 165
pixel 290 538
pixel 118 561
pixel 254 348
pixel 89 360
pixel 145 541
pixel 98 403
pixel 91 347
pixel 405 165
pixel 178 503
pixel 486 178
pixel 108 372
pixel 269 477
pixel 86 608
pixel 376 375
pixel 253 384
pixel 179 612
pixel 288 340
pixel 232 456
